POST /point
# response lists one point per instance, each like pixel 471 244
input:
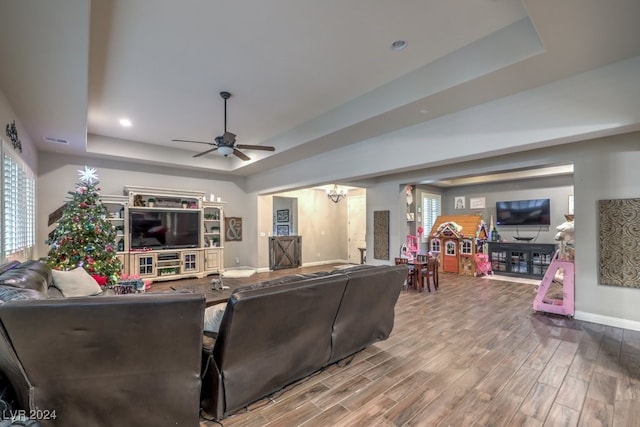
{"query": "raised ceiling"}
pixel 318 79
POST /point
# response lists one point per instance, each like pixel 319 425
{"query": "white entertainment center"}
pixel 167 234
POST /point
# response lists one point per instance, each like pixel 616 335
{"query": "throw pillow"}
pixel 75 283
pixel 213 317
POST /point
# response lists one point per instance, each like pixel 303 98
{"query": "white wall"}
pixel 606 168
pixel 58 175
pixel 389 196
pixel 321 223
pixel 7 116
pixel 557 189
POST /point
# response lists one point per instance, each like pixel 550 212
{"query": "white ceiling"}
pixel 313 77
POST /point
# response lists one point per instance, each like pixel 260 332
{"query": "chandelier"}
pixel 336 194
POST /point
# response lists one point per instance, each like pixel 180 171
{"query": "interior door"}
pixel 450 256
pixel 356 227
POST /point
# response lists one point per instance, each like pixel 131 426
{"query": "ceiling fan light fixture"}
pixel 225 150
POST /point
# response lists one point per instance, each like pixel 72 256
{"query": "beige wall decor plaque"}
pixel 619 230
pixel 233 229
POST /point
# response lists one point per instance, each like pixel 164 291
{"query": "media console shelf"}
pixel 521 259
pixel 168 233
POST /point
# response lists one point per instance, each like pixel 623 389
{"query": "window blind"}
pixel 18 206
pixel 430 212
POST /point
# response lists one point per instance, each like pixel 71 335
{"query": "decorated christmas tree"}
pixel 84 237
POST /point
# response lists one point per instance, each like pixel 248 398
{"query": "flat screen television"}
pixel 164 229
pixel 524 212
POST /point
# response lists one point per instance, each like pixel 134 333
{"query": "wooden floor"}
pixel 474 353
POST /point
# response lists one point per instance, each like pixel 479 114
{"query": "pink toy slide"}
pixel 566 305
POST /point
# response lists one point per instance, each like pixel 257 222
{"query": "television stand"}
pixel 521 259
pixel 198 257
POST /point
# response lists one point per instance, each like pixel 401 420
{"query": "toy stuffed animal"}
pixel 566 237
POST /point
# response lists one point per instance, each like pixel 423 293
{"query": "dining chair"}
pixel 410 272
pixel 423 274
pixel 428 271
pixel 433 264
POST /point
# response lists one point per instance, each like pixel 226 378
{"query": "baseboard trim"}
pixel 335 261
pixel 608 320
pixel 308 264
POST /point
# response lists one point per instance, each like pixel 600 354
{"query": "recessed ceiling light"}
pixel 398 44
pixel 125 123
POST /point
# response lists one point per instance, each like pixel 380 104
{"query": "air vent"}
pixel 55 140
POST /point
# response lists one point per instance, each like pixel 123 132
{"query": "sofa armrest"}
pixel 31 274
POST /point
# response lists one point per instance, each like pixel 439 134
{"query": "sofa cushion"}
pixel 12 293
pixel 271 336
pixel 25 277
pixel 54 292
pixel 40 267
pixel 213 317
pixel 75 283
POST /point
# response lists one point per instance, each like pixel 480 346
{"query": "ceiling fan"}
pixel 226 143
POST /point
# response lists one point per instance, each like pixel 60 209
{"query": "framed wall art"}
pixel 282 215
pixel 282 230
pixel 459 202
pixel 477 202
pixel 381 234
pixel 619 242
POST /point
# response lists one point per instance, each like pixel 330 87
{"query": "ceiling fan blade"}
pixel 256 147
pixel 205 152
pixel 187 140
pixel 229 138
pixel 241 155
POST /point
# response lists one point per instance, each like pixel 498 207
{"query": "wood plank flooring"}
pixel 473 353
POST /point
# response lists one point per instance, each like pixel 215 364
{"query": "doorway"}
pixel 356 223
pixel 450 258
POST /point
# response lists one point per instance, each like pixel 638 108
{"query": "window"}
pixel 430 212
pixel 466 247
pixel 18 207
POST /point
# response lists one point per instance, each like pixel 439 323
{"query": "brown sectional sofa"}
pixel 137 360
pixel 275 333
pixel 127 360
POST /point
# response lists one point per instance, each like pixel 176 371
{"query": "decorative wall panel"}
pixel 619 242
pixel 381 234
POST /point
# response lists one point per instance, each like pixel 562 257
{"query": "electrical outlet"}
pixel 237 260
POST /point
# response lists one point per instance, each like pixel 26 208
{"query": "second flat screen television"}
pixel 164 229
pixel 524 212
